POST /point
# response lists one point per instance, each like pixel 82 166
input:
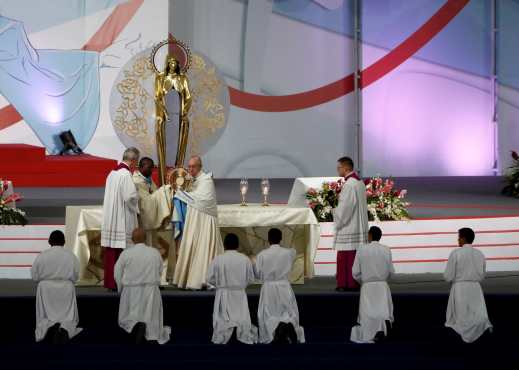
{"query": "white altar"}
pixel 299 226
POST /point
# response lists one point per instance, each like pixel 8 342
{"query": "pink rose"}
pixel 386 189
pixel 13 198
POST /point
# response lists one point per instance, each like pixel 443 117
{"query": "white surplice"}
pixel 466 310
pixel 56 270
pixel 201 240
pixel 351 216
pixel 154 216
pixel 231 272
pixel 277 300
pixel 137 273
pixel 372 268
pixel 154 204
pixel 120 209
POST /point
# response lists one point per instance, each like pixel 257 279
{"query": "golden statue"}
pixel 172 78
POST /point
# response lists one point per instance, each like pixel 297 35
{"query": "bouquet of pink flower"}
pixel 384 201
pixel 324 200
pixel 512 177
pixel 9 215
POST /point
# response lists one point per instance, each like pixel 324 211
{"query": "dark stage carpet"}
pixel 418 339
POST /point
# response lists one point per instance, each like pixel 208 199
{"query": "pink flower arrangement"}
pixel 9 215
pixel 384 201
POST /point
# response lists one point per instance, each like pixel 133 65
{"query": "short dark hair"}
pixel 467 233
pixel 346 161
pixel 144 160
pixel 231 242
pixel 275 236
pixel 57 238
pixel 376 233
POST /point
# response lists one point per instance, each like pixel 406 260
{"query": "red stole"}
pixel 122 166
pixel 352 175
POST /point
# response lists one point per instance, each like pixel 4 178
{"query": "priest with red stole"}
pixel 120 210
pixel 351 223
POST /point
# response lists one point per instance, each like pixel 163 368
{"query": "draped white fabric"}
pixel 200 244
pixel 231 272
pixel 56 270
pixel 300 229
pixel 138 274
pixel 201 240
pixel 351 216
pixel 202 194
pixel 466 310
pixel 372 268
pixel 299 226
pixel 277 300
pixel 120 209
pixel 154 216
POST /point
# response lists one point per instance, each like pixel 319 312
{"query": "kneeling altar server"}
pixel 278 315
pixel 372 267
pixel 137 273
pixel 56 270
pixel 466 310
pixel 231 272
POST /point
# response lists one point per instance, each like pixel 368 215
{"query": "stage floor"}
pixel 430 197
pixel 495 283
pixel 418 339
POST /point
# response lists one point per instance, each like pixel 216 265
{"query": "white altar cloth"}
pixel 299 225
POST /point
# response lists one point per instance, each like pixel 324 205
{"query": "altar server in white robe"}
pixel 231 272
pixel 120 210
pixel 466 310
pixel 278 315
pixel 155 213
pixel 201 240
pixel 56 270
pixel 350 221
pixel 372 268
pixel 137 273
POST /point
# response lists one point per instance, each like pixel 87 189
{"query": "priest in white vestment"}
pixel 466 310
pixel 372 268
pixel 201 239
pixel 56 270
pixel 278 315
pixel 120 210
pixel 351 223
pixel 138 274
pixel 155 213
pixel 231 272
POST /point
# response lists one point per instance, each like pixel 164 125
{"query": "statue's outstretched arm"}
pixel 187 96
pixel 160 97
